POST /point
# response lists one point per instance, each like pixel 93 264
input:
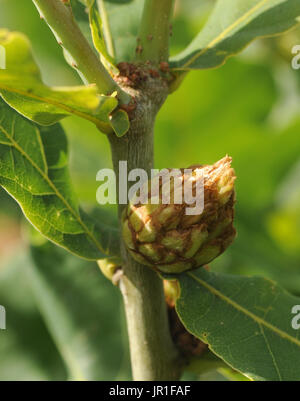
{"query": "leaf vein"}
pixel 52 102
pixel 240 308
pixel 56 191
pixel 271 352
pixel 226 31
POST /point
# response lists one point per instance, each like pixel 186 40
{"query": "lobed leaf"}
pixel 22 88
pixel 232 25
pixel 34 171
pixel 246 321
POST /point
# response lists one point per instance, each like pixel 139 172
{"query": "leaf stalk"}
pixel 60 19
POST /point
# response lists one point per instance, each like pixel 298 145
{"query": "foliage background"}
pixel 247 109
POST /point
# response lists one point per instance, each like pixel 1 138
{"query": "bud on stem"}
pixel 109 266
pixel 167 239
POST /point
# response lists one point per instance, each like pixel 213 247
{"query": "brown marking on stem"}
pixel 139 49
pixel 164 66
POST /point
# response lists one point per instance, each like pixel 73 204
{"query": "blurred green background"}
pixel 64 320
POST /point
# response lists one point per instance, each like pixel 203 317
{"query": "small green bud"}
pixel 166 238
pixel 109 266
pixel 172 291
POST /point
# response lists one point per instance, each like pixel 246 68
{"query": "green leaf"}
pixel 125 31
pixel 233 375
pixel 96 26
pixel 27 351
pixel 123 19
pixel 205 363
pixel 34 171
pixel 82 311
pixel 120 122
pixel 22 88
pixel 232 25
pixel 120 31
pixel 64 319
pixel 245 320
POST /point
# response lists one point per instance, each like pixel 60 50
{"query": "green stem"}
pixel 60 19
pixel 155 31
pixel 153 354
